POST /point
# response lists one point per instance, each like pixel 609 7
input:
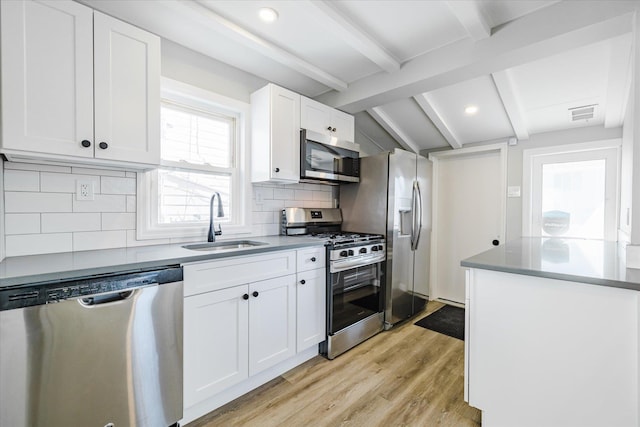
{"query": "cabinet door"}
pixel 47 77
pixel 315 116
pixel 311 308
pixel 127 91
pixel 272 322
pixel 285 135
pixel 344 125
pixel 216 334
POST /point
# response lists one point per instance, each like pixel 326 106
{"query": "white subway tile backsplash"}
pixel 133 242
pixel 98 172
pixel 263 217
pixel 90 240
pixel 321 195
pixel 22 223
pixel 101 203
pixel 36 167
pixel 19 180
pixel 118 221
pixel 67 222
pixel 283 193
pixel 65 183
pixel 113 185
pixel 303 195
pixel 33 244
pixel 22 202
pixel 131 203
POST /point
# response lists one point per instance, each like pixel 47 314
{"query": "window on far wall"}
pixel 202 153
pixel 572 191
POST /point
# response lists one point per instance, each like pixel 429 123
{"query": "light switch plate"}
pixel 513 191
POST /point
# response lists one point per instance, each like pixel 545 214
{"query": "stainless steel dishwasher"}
pixel 100 351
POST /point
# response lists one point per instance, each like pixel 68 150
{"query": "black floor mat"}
pixel 449 320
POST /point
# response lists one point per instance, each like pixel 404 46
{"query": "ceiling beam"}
pixel 619 83
pixel 201 13
pixel 366 45
pixel 470 16
pixel 506 90
pixel 393 129
pixel 426 105
pixel 546 32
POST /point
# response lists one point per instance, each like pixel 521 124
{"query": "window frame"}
pixel 533 159
pixel 186 95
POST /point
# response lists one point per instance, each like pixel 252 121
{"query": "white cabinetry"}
pixel 326 120
pixel 239 320
pixel 78 86
pixel 311 298
pixel 275 135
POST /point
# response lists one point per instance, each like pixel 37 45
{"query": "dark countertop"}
pixel 594 262
pixel 32 269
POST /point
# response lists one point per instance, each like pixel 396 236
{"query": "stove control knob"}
pixel 343 253
pixel 351 252
pixel 363 250
pixel 380 247
pixel 374 249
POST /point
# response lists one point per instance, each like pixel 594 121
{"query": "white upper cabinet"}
pixel 326 120
pixel 275 135
pixel 49 110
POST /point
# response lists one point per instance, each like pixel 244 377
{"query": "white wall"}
pixel 626 174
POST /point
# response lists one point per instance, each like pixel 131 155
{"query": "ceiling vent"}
pixel 585 112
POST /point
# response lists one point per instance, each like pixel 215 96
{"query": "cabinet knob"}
pixel 86 143
pixel 313 259
pixel 302 282
pixel 333 130
pixel 245 296
pixel 329 128
pixel 103 145
pixel 495 242
pixel 277 169
pixel 255 293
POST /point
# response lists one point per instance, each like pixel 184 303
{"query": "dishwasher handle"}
pixel 105 298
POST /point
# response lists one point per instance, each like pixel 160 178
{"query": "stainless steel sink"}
pixel 223 246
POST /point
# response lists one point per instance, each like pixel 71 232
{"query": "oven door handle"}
pixel 347 264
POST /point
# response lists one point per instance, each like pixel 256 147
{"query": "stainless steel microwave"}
pixel 326 158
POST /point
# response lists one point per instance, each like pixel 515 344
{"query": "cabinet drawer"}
pixel 310 259
pixel 220 274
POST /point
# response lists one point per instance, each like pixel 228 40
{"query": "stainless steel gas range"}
pixel 355 271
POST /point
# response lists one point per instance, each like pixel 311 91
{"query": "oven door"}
pixel 354 294
pixel 327 158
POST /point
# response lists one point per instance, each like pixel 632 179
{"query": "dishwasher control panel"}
pixel 52 292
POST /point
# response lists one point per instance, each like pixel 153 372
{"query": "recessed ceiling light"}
pixel 267 14
pixel 470 110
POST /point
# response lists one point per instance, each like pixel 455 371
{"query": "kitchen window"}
pixel 572 191
pixel 202 152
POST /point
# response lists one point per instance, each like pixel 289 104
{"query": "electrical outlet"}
pixel 84 190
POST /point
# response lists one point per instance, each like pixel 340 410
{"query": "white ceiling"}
pixel 408 68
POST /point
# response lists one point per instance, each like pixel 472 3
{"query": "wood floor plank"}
pixel 408 376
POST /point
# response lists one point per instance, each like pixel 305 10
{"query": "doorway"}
pixel 468 212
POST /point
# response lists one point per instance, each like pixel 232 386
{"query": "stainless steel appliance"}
pixel 355 276
pixel 101 351
pixel 326 158
pixel 393 198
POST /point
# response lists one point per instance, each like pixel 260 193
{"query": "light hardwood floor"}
pixel 409 376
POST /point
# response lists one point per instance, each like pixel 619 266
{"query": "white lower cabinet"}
pixel 235 332
pixel 311 308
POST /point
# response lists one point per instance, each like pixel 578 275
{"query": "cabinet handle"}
pixel 302 282
pixel 245 296
pixel 86 143
pixel 255 294
pixel 313 259
pixel 103 145
pixel 277 169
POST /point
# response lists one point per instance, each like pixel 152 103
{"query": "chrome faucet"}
pixel 212 231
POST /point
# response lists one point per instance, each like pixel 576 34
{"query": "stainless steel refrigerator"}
pixel 393 198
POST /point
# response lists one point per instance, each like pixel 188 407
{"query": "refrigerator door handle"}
pixel 419 215
pixel 414 199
